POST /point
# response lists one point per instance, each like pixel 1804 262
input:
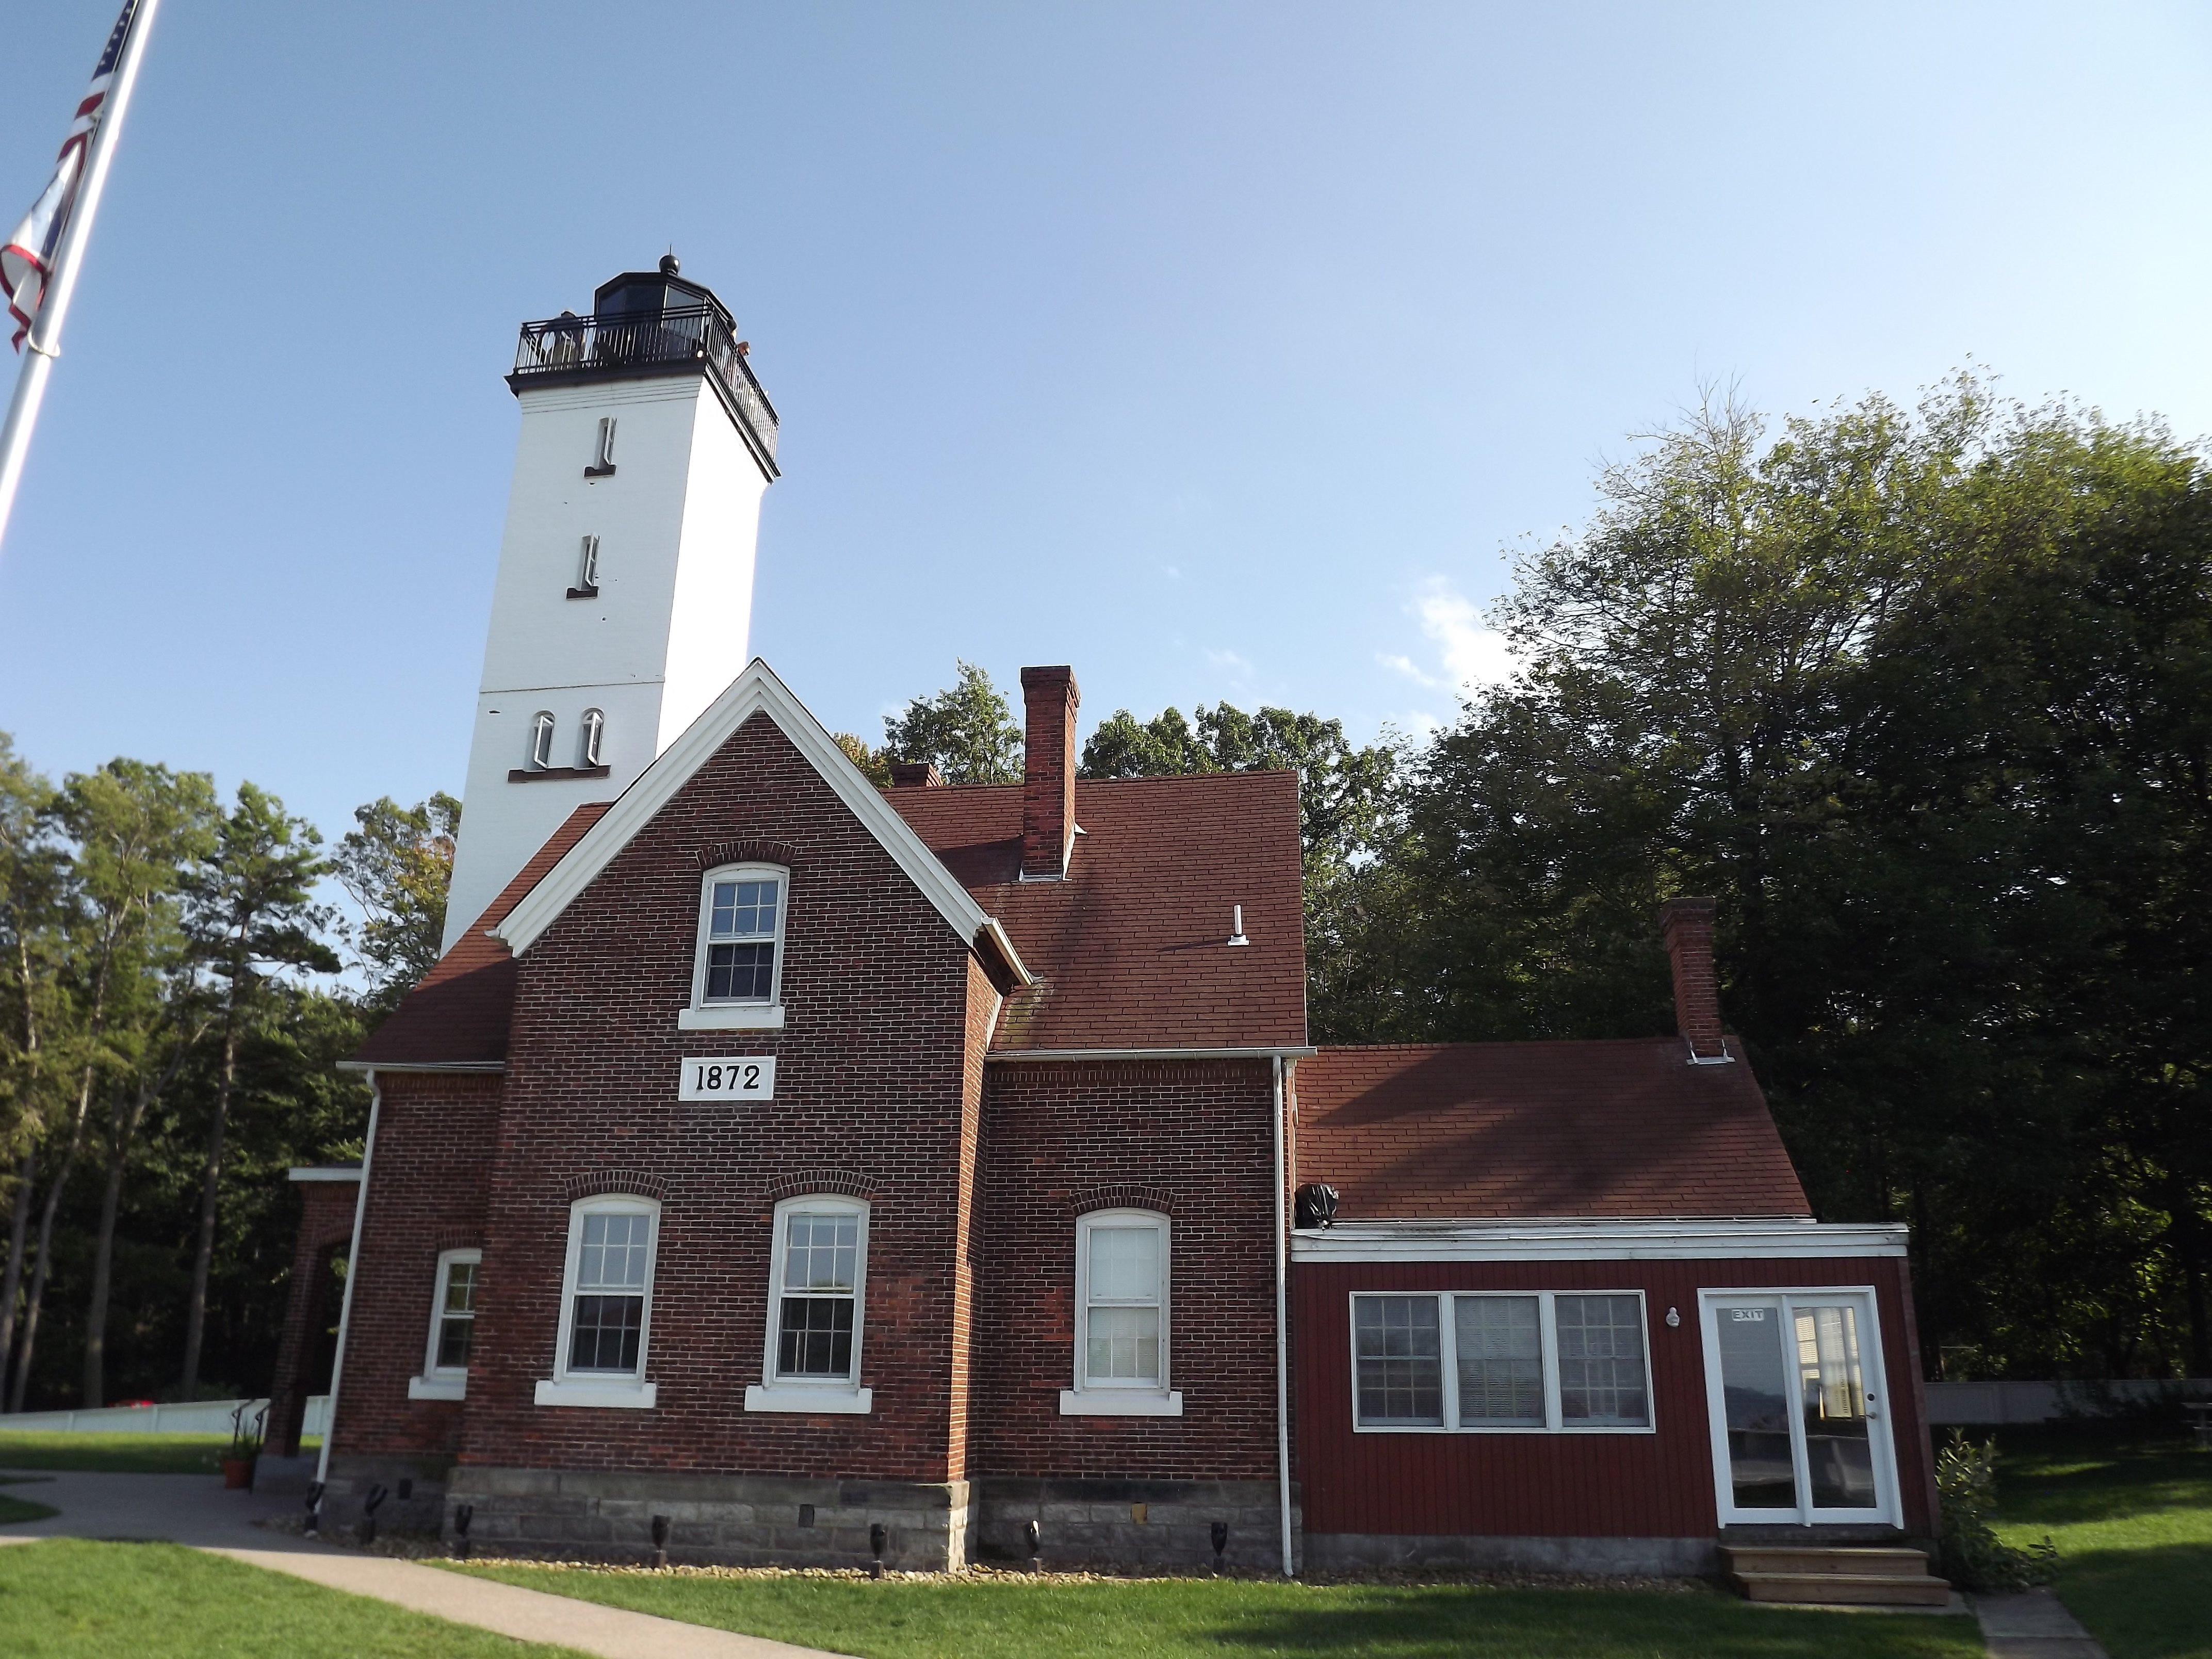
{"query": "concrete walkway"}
pixel 195 1510
pixel 2035 1626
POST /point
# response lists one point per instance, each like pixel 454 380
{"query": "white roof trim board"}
pixel 756 691
pixel 1657 1240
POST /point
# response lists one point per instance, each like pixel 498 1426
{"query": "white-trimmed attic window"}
pixel 1121 1309
pixel 541 740
pixel 607 1305
pixel 593 729
pixel 737 975
pixel 452 1328
pixel 817 1277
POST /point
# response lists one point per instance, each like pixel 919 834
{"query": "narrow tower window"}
pixel 541 740
pixel 588 570
pixel 603 466
pixel 588 751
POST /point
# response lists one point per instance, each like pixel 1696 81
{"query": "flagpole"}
pixel 44 342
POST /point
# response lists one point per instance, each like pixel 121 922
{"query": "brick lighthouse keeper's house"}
pixel 797 1160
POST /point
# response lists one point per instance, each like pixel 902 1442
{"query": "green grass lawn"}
pixel 64 1599
pixel 120 1454
pixel 1005 1617
pixel 2132 1514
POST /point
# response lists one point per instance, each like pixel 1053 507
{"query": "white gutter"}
pixel 1643 1239
pixel 353 1277
pixel 1282 1329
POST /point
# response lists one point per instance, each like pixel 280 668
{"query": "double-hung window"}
pixel 1530 1361
pixel 607 1305
pixel 452 1329
pixel 817 1272
pixel 737 976
pixel 1121 1309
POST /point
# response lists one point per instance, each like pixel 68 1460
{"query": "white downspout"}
pixel 1282 1331
pixel 353 1277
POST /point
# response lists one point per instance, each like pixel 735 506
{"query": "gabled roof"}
pixel 1554 1130
pixel 756 691
pixel 455 1018
pixel 1130 950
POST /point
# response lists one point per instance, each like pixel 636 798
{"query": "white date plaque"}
pixel 743 1077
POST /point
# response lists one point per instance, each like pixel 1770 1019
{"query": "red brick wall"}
pixel 875 1096
pixel 428 1176
pixel 1191 1137
pixel 1628 1485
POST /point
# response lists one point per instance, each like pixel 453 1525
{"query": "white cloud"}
pixel 1412 670
pixel 1231 661
pixel 1474 656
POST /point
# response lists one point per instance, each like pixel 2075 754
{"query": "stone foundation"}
pixel 1132 1525
pixel 715 1520
pixel 1642 1558
pixel 414 1491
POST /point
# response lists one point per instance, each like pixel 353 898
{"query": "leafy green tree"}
pixel 874 763
pixel 967 730
pixel 141 833
pixel 1921 697
pixel 32 874
pixel 251 908
pixel 396 865
pixel 1164 746
pixel 1343 792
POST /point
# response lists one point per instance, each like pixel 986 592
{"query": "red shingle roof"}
pixel 457 1015
pixel 1479 1131
pixel 1130 949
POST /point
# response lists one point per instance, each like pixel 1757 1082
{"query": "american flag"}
pixel 26 258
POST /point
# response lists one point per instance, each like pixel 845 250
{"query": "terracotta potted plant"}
pixel 245 1446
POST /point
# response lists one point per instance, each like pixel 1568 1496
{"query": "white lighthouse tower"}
pixel 626 571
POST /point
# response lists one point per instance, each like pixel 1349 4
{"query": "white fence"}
pixel 199 1417
pixel 1976 1403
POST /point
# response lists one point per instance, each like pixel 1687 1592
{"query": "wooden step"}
pixel 1844 1589
pixel 1823 1558
pixel 1837 1576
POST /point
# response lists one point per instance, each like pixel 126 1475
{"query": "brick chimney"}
pixel 916 774
pixel 1687 925
pixel 1049 700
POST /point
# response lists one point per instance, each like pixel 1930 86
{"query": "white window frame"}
pixel 542 727
pixel 587 565
pixel 1889 1508
pixel 747 1016
pixel 592 738
pixel 604 1388
pixel 1090 1398
pixel 1447 1361
pixel 444 1382
pixel 842 1396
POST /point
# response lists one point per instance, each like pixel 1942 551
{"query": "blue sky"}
pixel 1223 351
